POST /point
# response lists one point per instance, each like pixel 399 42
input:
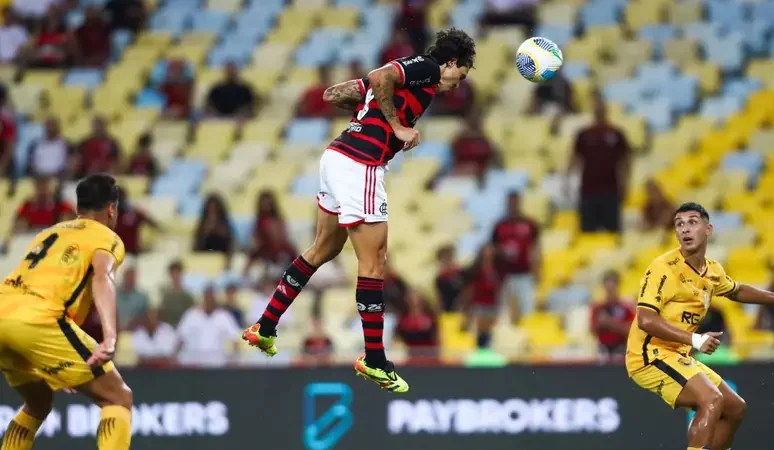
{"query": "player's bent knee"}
pixel 712 400
pixel 735 409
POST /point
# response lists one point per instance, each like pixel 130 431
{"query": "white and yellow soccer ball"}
pixel 538 59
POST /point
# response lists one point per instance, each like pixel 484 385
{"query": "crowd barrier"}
pixel 513 408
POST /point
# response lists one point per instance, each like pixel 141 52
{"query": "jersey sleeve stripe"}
pixel 79 289
pixel 79 346
pixel 670 372
pixel 401 70
pixel 645 344
pixel 726 293
pixel 648 305
pixel 361 85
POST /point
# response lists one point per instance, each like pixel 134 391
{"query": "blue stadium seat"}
pixel 560 34
pixel 600 13
pixel 243 229
pixel 763 11
pixel 703 31
pixel 755 34
pixel 729 14
pixel 654 76
pixel 120 40
pixel 28 132
pixel 741 88
pixel 307 131
pixel 209 20
pixel 628 92
pixel 195 283
pixel 565 297
pixel 657 112
pixel 187 167
pixel 321 47
pixel 365 52
pixel 658 35
pixel 469 243
pixel 225 53
pixel 434 149
pixel 466 16
pixel 74 19
pixel 270 6
pixel 719 108
pixel 573 70
pixel 150 98
pixel 190 206
pixel 725 221
pixel 379 14
pixel 506 181
pixel 88 78
pixel 160 72
pixel 307 185
pixel 750 161
pixel 682 92
pixel 171 20
pixel 174 186
pixel 355 3
pixel 726 52
pixel 486 206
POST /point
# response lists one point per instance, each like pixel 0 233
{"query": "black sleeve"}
pixel 364 84
pixel 417 71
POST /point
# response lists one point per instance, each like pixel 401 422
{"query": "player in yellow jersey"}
pixel 42 349
pixel 674 297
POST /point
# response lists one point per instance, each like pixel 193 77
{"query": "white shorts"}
pixel 352 190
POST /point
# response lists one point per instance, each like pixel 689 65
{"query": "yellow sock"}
pixel 21 432
pixel 115 428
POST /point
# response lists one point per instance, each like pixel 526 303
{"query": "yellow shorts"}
pixel 667 376
pixel 55 353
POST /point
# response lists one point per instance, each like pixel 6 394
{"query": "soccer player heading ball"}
pixel 353 198
pixel 674 297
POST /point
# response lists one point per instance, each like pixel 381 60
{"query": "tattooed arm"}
pixel 383 82
pixel 346 95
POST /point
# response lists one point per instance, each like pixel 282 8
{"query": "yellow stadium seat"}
pixel 762 69
pixel 7 74
pixel 171 130
pixel 438 13
pixel 125 353
pixel 144 56
pixel 544 331
pixel 65 102
pixel 194 53
pixel 203 38
pixel 681 50
pixel 528 134
pixel 26 99
pixel 275 55
pixel 343 18
pixel 135 185
pixel 210 151
pixel 205 263
pixel 562 13
pixel 231 6
pixel 303 75
pixel 263 130
pixel 153 39
pixel 46 79
pixel 271 175
pixel 212 130
pixel 639 14
pixel 608 73
pixel 635 129
pixel 589 243
pixel 262 79
pixel 419 171
pixel 610 36
pixel 633 52
pixel 451 335
pixel 748 204
pixel 440 128
pixel 586 49
pixel 583 94
pixel 684 12
pixel 708 74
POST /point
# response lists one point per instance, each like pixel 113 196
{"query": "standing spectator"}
pixel 130 222
pixel 481 294
pixel 603 156
pixel 510 12
pixel 231 304
pixel 317 348
pixel 177 87
pixel 175 299
pixel 43 210
pixel 100 151
pixel 142 161
pixel 7 133
pixel 205 331
pixel 155 342
pixel 214 233
pixel 311 103
pixel 413 19
pixel 471 151
pixel 395 289
pixel 398 47
pixel 658 211
pixel 553 97
pixel 93 38
pixel 270 241
pixel 13 37
pixel 51 155
pixel 232 97
pixel 418 327
pixel 611 318
pixel 126 14
pixel 517 241
pixel 450 279
pixel 131 302
pixel 54 45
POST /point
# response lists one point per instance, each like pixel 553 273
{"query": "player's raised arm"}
pixel 346 95
pixel 104 292
pixel 383 82
pixel 744 293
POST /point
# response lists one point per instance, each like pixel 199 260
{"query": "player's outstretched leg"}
pixel 734 408
pixel 370 243
pixel 114 397
pixel 37 404
pixel 328 242
pixel 700 394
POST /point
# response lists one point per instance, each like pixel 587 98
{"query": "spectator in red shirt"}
pixel 271 243
pixel 43 210
pixel 603 156
pixel 7 135
pixel 418 327
pixel 458 102
pixel 398 47
pixel 142 161
pixel 480 297
pixel 54 46
pixel 130 222
pixel 413 19
pixel 99 152
pixel 611 318
pixel 312 104
pixel 178 89
pixel 450 279
pixel 658 211
pixel 516 239
pixel 317 348
pixel 471 150
pixel 93 38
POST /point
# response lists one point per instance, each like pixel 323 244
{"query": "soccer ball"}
pixel 538 59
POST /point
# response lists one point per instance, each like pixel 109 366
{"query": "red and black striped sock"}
pixel 370 305
pixel 293 280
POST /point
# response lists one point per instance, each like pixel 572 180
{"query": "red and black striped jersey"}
pixel 369 139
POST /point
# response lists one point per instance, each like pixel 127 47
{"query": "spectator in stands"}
pixel 99 152
pixel 155 341
pixel 395 289
pixel 7 133
pixel 264 290
pixel 450 279
pixel 418 327
pixel 715 321
pixel 458 102
pixel 232 97
pixel 312 104
pixel 126 14
pixel 130 222
pixel 231 304
pixel 270 240
pixel 413 19
pixel 214 232
pixel 471 151
pixel 175 298
pixel 602 155
pixel 612 317
pixel 50 156
pixel 132 303
pixel 177 88
pixel 553 98
pixel 205 331
pixel 44 209
pixel 481 294
pixel 317 348
pixel 356 70
pixel 398 47
pixel 658 211
pixel 516 240
pixel 13 37
pixel 93 38
pixel 54 46
pixel 510 12
pixel 142 161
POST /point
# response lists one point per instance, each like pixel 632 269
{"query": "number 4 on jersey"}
pixel 38 253
pixel 369 96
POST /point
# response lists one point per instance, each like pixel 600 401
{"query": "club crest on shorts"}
pixel 383 208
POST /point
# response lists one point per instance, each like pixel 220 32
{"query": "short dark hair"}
pixel 453 44
pixel 175 265
pixel 611 274
pixel 695 207
pixel 96 192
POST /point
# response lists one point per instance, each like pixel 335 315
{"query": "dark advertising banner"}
pixel 514 408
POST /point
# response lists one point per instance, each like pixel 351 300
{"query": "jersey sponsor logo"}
pixel 421 82
pixel 684 361
pixel 714 278
pixel 71 255
pixel 355 128
pixel 292 281
pixel 383 208
pixel 690 318
pixel 58 368
pixel 372 308
pixel 645 284
pixel 674 262
pixel 16 283
pixel 414 60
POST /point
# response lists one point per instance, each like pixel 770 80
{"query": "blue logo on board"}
pixel 323 430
